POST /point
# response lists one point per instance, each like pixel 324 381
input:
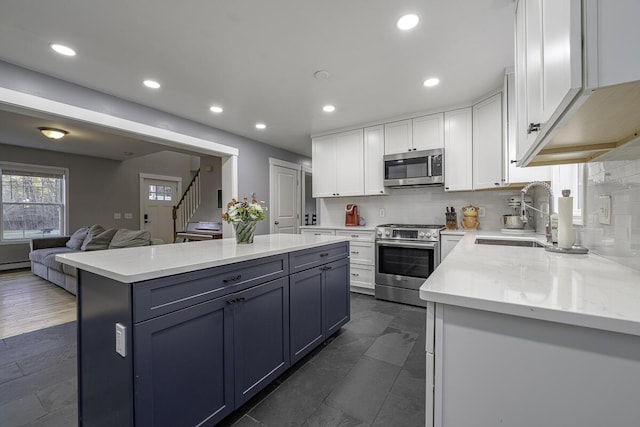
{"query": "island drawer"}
pixel 309 258
pixel 156 297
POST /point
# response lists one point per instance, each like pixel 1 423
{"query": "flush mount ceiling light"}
pixel 328 108
pixel 216 109
pixel 431 82
pixel 261 126
pixel 63 50
pixel 152 84
pixel 53 133
pixel 407 22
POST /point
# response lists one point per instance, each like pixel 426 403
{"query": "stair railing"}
pixel 187 205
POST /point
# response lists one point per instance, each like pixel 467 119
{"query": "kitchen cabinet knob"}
pixel 381 191
pixel 496 183
pixel 533 127
pixel 276 223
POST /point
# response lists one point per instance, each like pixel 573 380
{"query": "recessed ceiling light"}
pixel 152 84
pixel 328 108
pixel 321 75
pixel 63 50
pixel 431 82
pixel 215 109
pixel 261 126
pixel 53 133
pixel 407 22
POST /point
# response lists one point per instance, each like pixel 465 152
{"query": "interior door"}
pixel 284 206
pixel 159 197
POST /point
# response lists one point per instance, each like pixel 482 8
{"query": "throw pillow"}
pixel 77 238
pixel 130 238
pixel 98 238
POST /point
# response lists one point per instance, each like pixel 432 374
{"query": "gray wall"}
pixel 210 181
pixel 253 160
pixel 97 187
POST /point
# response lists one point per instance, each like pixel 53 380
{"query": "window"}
pixel 33 201
pixel 160 192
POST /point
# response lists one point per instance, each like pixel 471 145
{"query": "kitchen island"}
pixel 183 334
pixel 518 336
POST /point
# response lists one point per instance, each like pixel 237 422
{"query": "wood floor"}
pixel 29 303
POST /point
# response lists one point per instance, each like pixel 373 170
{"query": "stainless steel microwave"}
pixel 414 168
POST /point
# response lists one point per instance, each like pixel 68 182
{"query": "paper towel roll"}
pixel 566 235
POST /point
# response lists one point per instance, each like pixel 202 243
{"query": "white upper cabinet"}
pixel 548 64
pixel 398 137
pixel 488 143
pixel 338 166
pixel 421 133
pixel 373 161
pixel 428 132
pixel 458 150
pixel 578 87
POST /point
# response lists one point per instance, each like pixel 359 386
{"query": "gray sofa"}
pixel 44 250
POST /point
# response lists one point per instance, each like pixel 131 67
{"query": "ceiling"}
pixel 257 59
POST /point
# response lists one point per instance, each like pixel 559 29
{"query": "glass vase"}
pixel 244 231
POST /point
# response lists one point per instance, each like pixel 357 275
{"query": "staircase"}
pixel 187 205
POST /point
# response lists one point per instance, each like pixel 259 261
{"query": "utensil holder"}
pixel 451 220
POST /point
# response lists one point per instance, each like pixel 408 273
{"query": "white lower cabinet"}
pixel 490 369
pixel 447 243
pixel 318 231
pixel 362 257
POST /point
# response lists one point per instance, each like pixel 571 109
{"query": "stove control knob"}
pixel 421 234
pixel 379 233
pixel 387 233
pixel 428 235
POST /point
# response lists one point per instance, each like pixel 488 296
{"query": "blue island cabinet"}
pixel 200 344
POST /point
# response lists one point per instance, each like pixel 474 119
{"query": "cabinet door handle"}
pixel 317 234
pixel 232 279
pixel 355 252
pixel 324 254
pixel 328 267
pixel 355 236
pixel 533 127
pixel 231 301
pixel 514 161
pixel 355 274
pixel 241 299
pixel 496 183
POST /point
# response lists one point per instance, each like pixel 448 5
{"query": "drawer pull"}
pixel 355 252
pixel 231 301
pixel 317 234
pixel 326 267
pixel 324 254
pixel 355 235
pixel 355 274
pixel 232 279
pixel 241 299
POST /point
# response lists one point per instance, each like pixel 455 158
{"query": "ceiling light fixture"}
pixel 53 133
pixel 216 109
pixel 407 22
pixel 431 82
pixel 152 84
pixel 261 126
pixel 321 75
pixel 328 108
pixel 63 50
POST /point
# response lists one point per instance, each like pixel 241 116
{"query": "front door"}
pixel 284 206
pixel 158 198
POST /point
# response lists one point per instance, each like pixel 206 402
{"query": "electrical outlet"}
pixel 481 212
pixel 128 215
pixel 381 212
pixel 116 215
pixel 604 213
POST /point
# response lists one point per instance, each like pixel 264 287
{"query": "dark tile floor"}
pixel 371 373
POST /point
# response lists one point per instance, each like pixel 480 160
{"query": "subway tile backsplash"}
pixel 620 240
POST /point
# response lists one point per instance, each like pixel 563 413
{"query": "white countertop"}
pixel 130 265
pixel 340 227
pixel 583 290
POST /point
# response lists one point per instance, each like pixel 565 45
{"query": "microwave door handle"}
pixel 421 245
pixel 429 165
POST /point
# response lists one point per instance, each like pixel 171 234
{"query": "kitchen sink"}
pixel 510 242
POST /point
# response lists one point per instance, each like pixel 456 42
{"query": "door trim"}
pixel 142 177
pixel 295 166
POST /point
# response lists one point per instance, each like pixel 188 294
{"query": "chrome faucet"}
pixel 523 205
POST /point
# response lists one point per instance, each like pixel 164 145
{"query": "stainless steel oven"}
pixel 405 256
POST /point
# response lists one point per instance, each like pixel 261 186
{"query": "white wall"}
pixel 424 205
pixel 619 241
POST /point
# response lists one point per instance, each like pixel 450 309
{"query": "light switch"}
pixel 116 215
pixel 128 215
pixel 604 213
pixel 121 340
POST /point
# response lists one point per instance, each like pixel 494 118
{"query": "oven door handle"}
pixel 405 244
